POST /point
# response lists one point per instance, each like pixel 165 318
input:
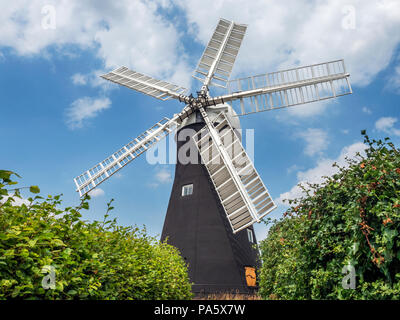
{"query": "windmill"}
pixel 214 204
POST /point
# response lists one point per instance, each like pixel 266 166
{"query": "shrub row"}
pixel 351 220
pixel 90 260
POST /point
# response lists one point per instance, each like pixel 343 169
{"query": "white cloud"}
pixel 94 80
pixel 316 141
pixel 141 39
pixel 131 33
pixel 386 124
pixel 394 80
pixel 79 79
pixel 323 168
pixel 85 108
pixel 345 131
pixel 366 110
pixel 292 168
pixel 309 109
pixel 97 193
pixel 162 176
pixel 282 34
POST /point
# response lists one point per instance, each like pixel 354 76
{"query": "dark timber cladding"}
pixel 197 225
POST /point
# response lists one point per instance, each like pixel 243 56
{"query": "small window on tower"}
pixel 250 235
pixel 187 190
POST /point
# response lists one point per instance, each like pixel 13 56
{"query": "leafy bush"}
pixel 351 219
pixel 91 260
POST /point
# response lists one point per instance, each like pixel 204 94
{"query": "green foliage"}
pixel 352 218
pixel 92 260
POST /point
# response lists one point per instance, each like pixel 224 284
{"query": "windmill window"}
pixel 187 190
pixel 250 235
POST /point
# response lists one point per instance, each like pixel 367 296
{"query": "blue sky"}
pixel 58 118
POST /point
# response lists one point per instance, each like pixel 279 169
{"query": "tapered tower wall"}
pixel 197 225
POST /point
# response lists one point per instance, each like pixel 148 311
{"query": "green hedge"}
pixel 91 260
pixel 351 219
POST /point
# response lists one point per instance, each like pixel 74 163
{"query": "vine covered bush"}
pixel 89 260
pixel 349 224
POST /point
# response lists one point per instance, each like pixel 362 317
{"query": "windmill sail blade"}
pixel 217 61
pixel 242 193
pixel 91 178
pixel 137 81
pixel 287 88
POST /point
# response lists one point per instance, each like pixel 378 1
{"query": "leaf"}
pixel 68 251
pixel 32 242
pixel 389 235
pixel 60 286
pixel 5 174
pixel 34 189
pixel 58 242
pixel 15 292
pixel 354 248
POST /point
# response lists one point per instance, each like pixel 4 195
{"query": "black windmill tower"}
pixel 217 194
